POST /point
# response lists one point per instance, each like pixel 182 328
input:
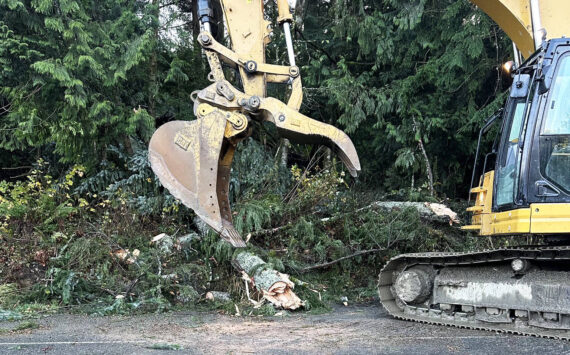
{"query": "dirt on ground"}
pixel 360 329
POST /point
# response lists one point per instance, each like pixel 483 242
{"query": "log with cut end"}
pixel 436 212
pixel 276 287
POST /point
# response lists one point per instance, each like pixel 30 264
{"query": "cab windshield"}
pixel 555 133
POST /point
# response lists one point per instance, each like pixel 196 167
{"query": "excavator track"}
pixel 550 264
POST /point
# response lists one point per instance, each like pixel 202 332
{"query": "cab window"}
pixel 555 134
pixel 508 169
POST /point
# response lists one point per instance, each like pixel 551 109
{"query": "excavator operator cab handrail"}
pixel 489 123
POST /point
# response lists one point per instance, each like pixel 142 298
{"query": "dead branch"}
pixel 270 231
pixel 330 263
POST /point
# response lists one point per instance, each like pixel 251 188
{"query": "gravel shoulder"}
pixel 346 330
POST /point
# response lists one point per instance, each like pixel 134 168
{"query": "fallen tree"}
pixel 331 263
pixel 435 212
pixel 275 287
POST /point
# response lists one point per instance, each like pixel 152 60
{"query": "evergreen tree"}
pixel 411 81
pixel 78 76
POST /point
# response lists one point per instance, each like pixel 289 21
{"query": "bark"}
pixel 275 287
pixel 435 212
pixel 154 61
pixel 218 296
pixel 426 159
pixel 300 11
pixel 428 167
pixel 285 144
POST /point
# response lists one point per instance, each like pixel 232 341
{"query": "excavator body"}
pixel 524 190
pixel 528 191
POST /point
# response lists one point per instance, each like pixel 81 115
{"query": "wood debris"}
pixel 218 296
pixel 275 287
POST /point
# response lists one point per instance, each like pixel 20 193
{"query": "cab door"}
pixel 550 166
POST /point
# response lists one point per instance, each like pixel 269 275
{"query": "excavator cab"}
pixel 529 189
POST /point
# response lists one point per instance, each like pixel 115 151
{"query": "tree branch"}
pixel 322 50
pixel 325 265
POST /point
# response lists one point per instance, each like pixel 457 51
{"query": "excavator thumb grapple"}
pixel 193 159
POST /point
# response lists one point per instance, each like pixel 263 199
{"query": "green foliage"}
pixel 253 215
pixel 9 315
pixel 8 293
pixel 84 84
pixel 256 171
pixel 41 200
pixel 395 72
pixel 26 325
pixel 128 178
pixel 74 75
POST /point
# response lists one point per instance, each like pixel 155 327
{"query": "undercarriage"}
pixel 522 290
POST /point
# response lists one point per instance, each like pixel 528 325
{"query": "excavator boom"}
pixel 193 159
pixel 528 22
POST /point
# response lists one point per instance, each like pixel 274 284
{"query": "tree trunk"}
pixel 285 144
pixel 435 212
pixel 276 287
pixel 154 61
pixel 300 12
pixel 426 159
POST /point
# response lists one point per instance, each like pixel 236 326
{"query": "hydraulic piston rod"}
pixel 289 41
pixel 205 14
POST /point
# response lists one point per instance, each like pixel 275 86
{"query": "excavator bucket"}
pixel 192 159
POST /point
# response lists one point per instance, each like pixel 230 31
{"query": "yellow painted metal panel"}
pixel 483 203
pixel 554 15
pixel 514 17
pixel 247 29
pixel 487 199
pixel 471 228
pixel 486 224
pixel 550 218
pixel 510 222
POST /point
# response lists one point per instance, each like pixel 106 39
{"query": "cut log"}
pixel 218 296
pixel 435 212
pixel 275 287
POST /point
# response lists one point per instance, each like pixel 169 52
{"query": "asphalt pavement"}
pixel 346 330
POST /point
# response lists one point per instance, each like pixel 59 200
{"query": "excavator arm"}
pixel 193 159
pixel 529 22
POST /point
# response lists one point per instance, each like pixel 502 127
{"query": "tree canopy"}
pixel 410 81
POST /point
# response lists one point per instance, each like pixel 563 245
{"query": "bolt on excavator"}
pixel 524 187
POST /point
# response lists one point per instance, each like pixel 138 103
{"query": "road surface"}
pixel 347 330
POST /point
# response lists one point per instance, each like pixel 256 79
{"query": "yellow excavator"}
pixel 525 192
pixel 522 290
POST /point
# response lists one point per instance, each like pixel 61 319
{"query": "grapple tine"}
pixel 192 160
pixel 302 129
